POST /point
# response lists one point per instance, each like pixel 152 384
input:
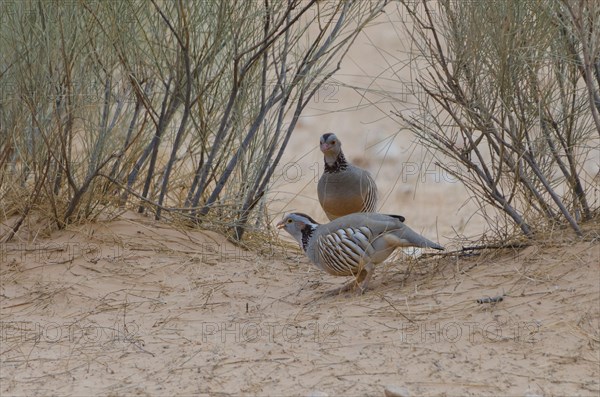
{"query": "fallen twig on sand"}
pixel 488 299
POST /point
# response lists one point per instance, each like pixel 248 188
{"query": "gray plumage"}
pixel 353 244
pixel 343 188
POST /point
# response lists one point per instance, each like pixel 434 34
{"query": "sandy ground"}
pixel 135 307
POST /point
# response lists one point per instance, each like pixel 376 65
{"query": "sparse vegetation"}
pixel 178 108
pixel 508 97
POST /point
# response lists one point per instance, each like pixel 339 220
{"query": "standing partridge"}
pixel 353 244
pixel 343 188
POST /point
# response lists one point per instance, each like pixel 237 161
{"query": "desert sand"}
pixel 131 306
pixel 135 307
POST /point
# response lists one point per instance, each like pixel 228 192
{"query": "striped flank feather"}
pixel 343 251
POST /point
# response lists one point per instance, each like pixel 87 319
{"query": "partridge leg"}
pixel 360 283
pixel 364 277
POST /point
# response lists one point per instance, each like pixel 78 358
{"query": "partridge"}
pixel 343 188
pixel 353 244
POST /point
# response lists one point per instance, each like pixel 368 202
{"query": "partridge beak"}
pixel 280 225
pixel 325 147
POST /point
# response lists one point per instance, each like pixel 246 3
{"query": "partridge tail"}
pixel 411 238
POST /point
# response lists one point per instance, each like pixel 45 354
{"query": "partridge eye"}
pixel 333 142
pixel 289 221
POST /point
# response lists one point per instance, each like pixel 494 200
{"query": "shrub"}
pixel 181 108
